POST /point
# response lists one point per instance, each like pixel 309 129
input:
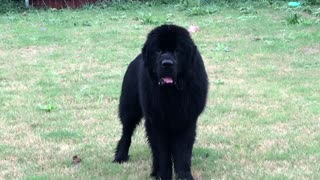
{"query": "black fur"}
pixel 170 110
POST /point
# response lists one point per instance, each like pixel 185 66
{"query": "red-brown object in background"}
pixel 58 4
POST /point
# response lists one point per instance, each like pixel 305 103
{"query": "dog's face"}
pixel 166 68
pixel 168 54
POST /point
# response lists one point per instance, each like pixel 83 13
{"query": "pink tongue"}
pixel 167 80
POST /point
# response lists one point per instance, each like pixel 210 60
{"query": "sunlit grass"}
pixel 61 73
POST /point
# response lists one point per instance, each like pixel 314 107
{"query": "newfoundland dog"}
pixel 167 84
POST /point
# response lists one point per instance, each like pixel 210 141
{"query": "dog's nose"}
pixel 166 63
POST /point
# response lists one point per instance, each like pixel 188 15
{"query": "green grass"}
pixel 61 73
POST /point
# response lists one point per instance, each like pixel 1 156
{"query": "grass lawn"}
pixel 60 80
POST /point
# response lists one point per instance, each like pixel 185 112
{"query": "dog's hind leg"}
pixel 124 143
pixel 130 114
pixel 130 119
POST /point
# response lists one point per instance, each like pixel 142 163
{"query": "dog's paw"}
pixel 184 176
pixel 121 159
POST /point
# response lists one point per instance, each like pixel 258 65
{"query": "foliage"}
pixel 200 11
pixel 147 18
pixel 7 6
pixel 294 18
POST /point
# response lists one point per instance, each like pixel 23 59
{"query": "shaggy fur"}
pixel 166 84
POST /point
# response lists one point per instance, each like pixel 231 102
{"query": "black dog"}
pixel 167 85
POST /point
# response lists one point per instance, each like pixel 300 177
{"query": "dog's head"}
pixel 168 54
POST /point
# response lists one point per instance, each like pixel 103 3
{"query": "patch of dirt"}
pixel 276 166
pixel 13 86
pixel 311 50
pixel 2 53
pixel 29 53
pixel 270 144
pixel 275 17
pixel 224 128
pixel 225 38
pixel 219 146
pixel 10 169
pixel 21 131
pixel 197 175
pixel 280 128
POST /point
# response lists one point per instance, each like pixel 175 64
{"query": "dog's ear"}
pixel 194 51
pixel 145 54
pixel 193 55
pixel 147 47
pixel 194 60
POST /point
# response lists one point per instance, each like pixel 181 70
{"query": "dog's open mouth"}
pixel 166 81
